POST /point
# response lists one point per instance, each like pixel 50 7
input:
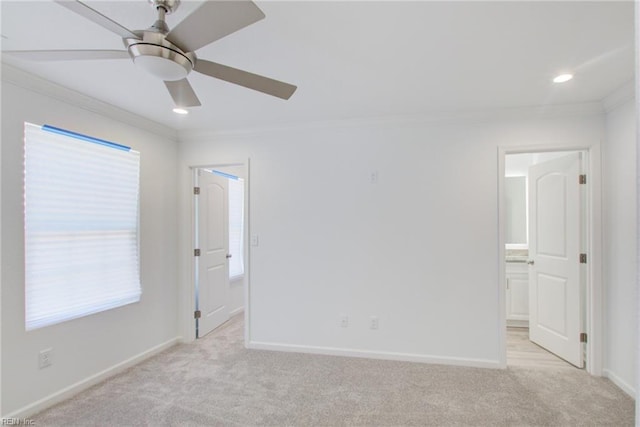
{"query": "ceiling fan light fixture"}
pixel 160 58
pixel 561 78
pixel 160 67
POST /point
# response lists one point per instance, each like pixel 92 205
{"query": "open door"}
pixel 555 290
pixel 212 263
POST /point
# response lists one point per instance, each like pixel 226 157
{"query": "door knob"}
pixel 531 262
pixel 229 256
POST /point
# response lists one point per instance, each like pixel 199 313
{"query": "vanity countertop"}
pixel 516 255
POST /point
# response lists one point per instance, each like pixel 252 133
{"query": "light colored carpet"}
pixel 216 381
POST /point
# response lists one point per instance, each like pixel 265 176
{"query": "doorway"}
pixel 547 291
pixel 219 224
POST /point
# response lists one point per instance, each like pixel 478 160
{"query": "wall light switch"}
pixel 344 321
pixel 254 240
pixel 374 322
pixel 45 358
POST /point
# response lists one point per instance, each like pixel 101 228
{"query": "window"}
pixel 236 227
pixel 81 225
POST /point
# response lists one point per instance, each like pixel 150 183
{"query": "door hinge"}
pixel 197 314
pixel 196 252
pixel 196 190
pixel 583 337
pixel 582 179
pixel 583 258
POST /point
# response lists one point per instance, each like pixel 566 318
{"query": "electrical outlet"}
pixel 373 322
pixel 373 177
pixel 45 358
pixel 344 321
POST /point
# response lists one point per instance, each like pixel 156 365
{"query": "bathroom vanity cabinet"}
pixel 517 298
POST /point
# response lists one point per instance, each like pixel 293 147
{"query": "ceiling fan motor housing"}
pixel 159 57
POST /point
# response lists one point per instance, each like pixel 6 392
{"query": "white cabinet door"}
pixel 517 294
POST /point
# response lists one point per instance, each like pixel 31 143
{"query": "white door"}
pixel 555 311
pixel 213 242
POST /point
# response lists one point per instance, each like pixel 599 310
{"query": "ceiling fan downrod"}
pixel 168 5
pixel 164 7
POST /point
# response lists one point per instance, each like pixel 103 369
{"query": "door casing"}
pixel 593 246
pixel 187 245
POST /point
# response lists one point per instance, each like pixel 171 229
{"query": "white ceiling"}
pixel 350 59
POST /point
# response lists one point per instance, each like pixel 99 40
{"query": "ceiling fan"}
pixel 170 54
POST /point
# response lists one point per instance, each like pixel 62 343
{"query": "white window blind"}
pixel 81 225
pixel 236 227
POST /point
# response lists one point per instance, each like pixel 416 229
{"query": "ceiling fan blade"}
pixel 67 55
pixel 182 93
pixel 246 79
pixel 95 16
pixel 212 21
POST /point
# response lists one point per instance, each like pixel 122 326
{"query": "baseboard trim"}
pixel 513 323
pixel 382 355
pixel 88 382
pixel 620 383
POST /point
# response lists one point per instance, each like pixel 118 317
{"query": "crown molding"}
pixel 13 75
pixel 620 96
pixel 549 112
pixel 44 87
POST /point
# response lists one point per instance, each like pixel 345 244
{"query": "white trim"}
pixel 186 244
pixel 88 382
pixel 594 298
pixel 44 87
pixel 381 355
pixel 247 253
pixel 502 265
pixel 517 323
pixel 595 293
pixel 620 383
pixel 637 119
pixel 454 117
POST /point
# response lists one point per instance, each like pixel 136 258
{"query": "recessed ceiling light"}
pixel 563 78
pixel 180 111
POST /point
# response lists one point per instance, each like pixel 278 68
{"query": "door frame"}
pixel 187 226
pixel 593 226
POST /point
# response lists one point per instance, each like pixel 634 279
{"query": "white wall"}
pixel 418 249
pixel 619 237
pixel 83 348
